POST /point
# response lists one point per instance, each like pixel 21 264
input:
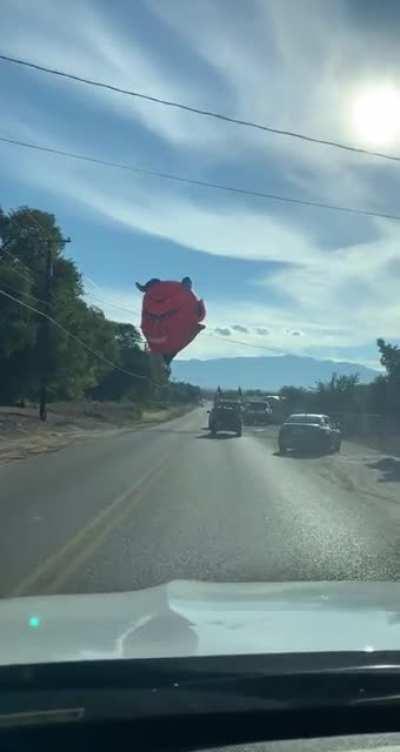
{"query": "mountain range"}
pixel 269 373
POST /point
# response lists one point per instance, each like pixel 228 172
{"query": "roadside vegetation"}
pixel 362 408
pixel 371 411
pixel 48 331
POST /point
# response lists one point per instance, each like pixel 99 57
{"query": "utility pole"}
pixel 45 329
pixel 45 335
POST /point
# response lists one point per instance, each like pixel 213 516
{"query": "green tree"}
pixel 386 389
pixel 296 399
pixel 27 238
pixel 131 359
pixel 338 395
pixel 81 352
pixel 390 359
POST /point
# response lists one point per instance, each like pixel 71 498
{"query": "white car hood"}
pixel 186 618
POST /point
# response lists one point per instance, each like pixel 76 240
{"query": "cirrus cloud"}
pixel 223 331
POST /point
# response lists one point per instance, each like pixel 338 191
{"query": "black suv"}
pixel 226 416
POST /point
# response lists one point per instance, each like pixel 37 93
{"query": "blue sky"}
pixel 294 279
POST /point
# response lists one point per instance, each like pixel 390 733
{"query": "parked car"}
pixel 257 413
pixel 225 416
pixel 307 431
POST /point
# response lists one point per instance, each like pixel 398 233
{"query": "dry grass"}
pixel 388 443
pixel 22 434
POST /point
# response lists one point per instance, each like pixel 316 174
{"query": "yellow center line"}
pixel 49 576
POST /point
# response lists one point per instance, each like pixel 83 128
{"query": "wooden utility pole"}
pixel 44 332
pixel 45 335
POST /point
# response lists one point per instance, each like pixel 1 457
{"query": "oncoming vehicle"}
pixel 225 416
pixel 307 431
pixel 257 413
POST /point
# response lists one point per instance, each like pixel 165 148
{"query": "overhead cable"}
pixel 74 337
pixel 201 183
pixel 19 273
pixel 199 111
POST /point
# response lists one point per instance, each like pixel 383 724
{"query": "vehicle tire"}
pixel 282 449
pixel 338 446
pixel 239 432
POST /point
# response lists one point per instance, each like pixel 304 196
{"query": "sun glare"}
pixel 376 116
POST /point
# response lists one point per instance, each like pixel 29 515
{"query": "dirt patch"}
pixel 23 435
pixel 385 443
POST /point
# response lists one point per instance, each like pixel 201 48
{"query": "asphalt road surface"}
pixel 136 508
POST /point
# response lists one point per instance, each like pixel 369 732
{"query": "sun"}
pixel 376 115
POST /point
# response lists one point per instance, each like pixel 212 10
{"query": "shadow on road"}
pixel 389 467
pixel 292 455
pixel 169 430
pixel 217 436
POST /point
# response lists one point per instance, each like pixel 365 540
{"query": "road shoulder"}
pixel 23 435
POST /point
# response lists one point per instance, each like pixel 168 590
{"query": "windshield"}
pixel 316 419
pixel 199 255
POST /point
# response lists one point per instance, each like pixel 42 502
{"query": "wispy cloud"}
pixel 337 278
pixel 224 332
pixel 83 39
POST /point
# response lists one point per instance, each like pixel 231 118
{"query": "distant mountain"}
pixel 269 373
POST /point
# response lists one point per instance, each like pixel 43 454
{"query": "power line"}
pixel 198 111
pixel 74 337
pixel 120 308
pixel 103 300
pixel 114 305
pixel 98 355
pixel 107 302
pixel 19 274
pixel 201 183
pixel 43 302
pixel 3 249
pixel 26 295
pixel 38 300
pixel 209 334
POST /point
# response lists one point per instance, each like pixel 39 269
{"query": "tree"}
pixel 131 359
pixel 390 359
pixel 27 238
pixel 296 398
pixel 79 350
pixel 386 388
pixel 337 395
pixel 181 393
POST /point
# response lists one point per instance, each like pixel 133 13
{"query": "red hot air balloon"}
pixel 171 316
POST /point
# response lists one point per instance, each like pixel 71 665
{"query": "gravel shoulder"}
pixel 364 471
pixel 23 435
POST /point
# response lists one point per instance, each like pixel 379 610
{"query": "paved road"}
pixel 134 509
